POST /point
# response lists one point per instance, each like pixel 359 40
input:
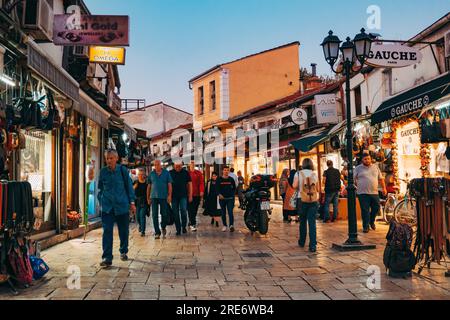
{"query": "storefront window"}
pixel 36 167
pixel 93 157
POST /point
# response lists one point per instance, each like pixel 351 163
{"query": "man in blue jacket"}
pixel 117 199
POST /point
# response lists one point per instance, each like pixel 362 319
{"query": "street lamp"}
pixel 352 51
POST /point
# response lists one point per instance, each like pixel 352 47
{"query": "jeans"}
pixel 285 213
pixel 193 209
pixel 156 204
pixel 179 207
pixel 370 206
pixel 123 224
pixel 141 217
pixel 331 198
pixel 227 205
pixel 307 213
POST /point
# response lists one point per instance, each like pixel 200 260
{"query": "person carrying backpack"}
pixel 307 183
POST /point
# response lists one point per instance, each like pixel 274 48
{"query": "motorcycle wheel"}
pixel 263 222
pixel 250 223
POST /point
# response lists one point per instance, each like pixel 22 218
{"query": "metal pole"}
pixel 351 189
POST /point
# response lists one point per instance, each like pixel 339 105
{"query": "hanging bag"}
pixel 445 123
pixel 431 130
pixel 19 263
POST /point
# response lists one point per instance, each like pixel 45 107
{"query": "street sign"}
pixel 299 116
pixel 393 56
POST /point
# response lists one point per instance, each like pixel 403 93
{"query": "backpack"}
pixel 308 192
pixel 398 257
pixel 39 267
pixel 19 263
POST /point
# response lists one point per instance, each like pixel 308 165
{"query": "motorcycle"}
pixel 257 203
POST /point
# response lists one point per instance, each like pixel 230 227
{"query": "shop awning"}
pixel 413 100
pixel 122 125
pixel 92 110
pixel 343 125
pixel 310 140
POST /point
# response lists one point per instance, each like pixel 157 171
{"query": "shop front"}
pixel 412 133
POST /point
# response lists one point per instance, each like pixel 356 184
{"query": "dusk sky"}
pixel 174 40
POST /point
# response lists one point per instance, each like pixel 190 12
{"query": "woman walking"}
pixel 307 183
pixel 283 188
pixel 211 200
pixel 290 199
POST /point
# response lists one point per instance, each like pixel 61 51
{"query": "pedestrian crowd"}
pixel 177 195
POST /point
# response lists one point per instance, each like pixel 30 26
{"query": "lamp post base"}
pixel 351 245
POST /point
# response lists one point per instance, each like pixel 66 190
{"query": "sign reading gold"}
pixel 111 55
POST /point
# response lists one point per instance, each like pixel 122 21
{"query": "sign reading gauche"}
pixel 92 30
pixel 111 55
pixel 326 109
pixel 393 56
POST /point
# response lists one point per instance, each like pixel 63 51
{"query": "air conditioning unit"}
pixel 81 51
pixel 38 19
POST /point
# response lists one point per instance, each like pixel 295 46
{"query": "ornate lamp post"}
pixel 354 51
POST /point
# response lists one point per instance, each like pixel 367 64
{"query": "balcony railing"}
pixel 132 104
pixel 115 103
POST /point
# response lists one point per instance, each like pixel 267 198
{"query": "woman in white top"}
pixel 307 183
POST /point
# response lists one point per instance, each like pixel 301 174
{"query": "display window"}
pixel 93 162
pixel 37 167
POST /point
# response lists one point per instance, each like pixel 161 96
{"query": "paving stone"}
pixel 309 296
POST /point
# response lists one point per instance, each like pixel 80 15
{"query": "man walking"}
pixel 198 190
pixel 117 200
pixel 182 193
pixel 332 181
pixel 159 194
pixel 227 189
pixel 367 178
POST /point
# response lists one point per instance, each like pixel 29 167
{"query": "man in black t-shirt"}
pixel 181 194
pixel 226 187
pixel 332 181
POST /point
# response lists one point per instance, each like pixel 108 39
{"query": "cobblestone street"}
pixel 211 265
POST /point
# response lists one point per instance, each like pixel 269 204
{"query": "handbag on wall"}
pixel 431 129
pixel 445 123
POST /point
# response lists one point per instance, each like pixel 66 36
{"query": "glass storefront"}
pixel 37 167
pixel 93 163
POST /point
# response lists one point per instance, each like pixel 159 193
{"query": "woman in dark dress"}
pixel 211 200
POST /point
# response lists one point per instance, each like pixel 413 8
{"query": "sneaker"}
pixel 312 250
pixel 327 221
pixel 164 233
pixel 157 236
pixel 231 228
pixel 373 226
pixel 194 228
pixel 142 234
pixel 366 230
pixel 124 257
pixel 184 230
pixel 224 229
pixel 301 245
pixel 178 234
pixel 105 263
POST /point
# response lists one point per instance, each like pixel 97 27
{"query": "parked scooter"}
pixel 257 203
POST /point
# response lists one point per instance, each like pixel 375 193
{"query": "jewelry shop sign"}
pixel 393 56
pixel 91 30
pixel 109 55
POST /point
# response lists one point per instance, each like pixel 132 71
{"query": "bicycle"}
pixel 387 207
pixel 405 210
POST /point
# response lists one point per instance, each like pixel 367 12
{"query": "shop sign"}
pixel 299 116
pixel 91 30
pixel 108 55
pixel 410 106
pixel 393 56
pixel 326 109
pixel 408 139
